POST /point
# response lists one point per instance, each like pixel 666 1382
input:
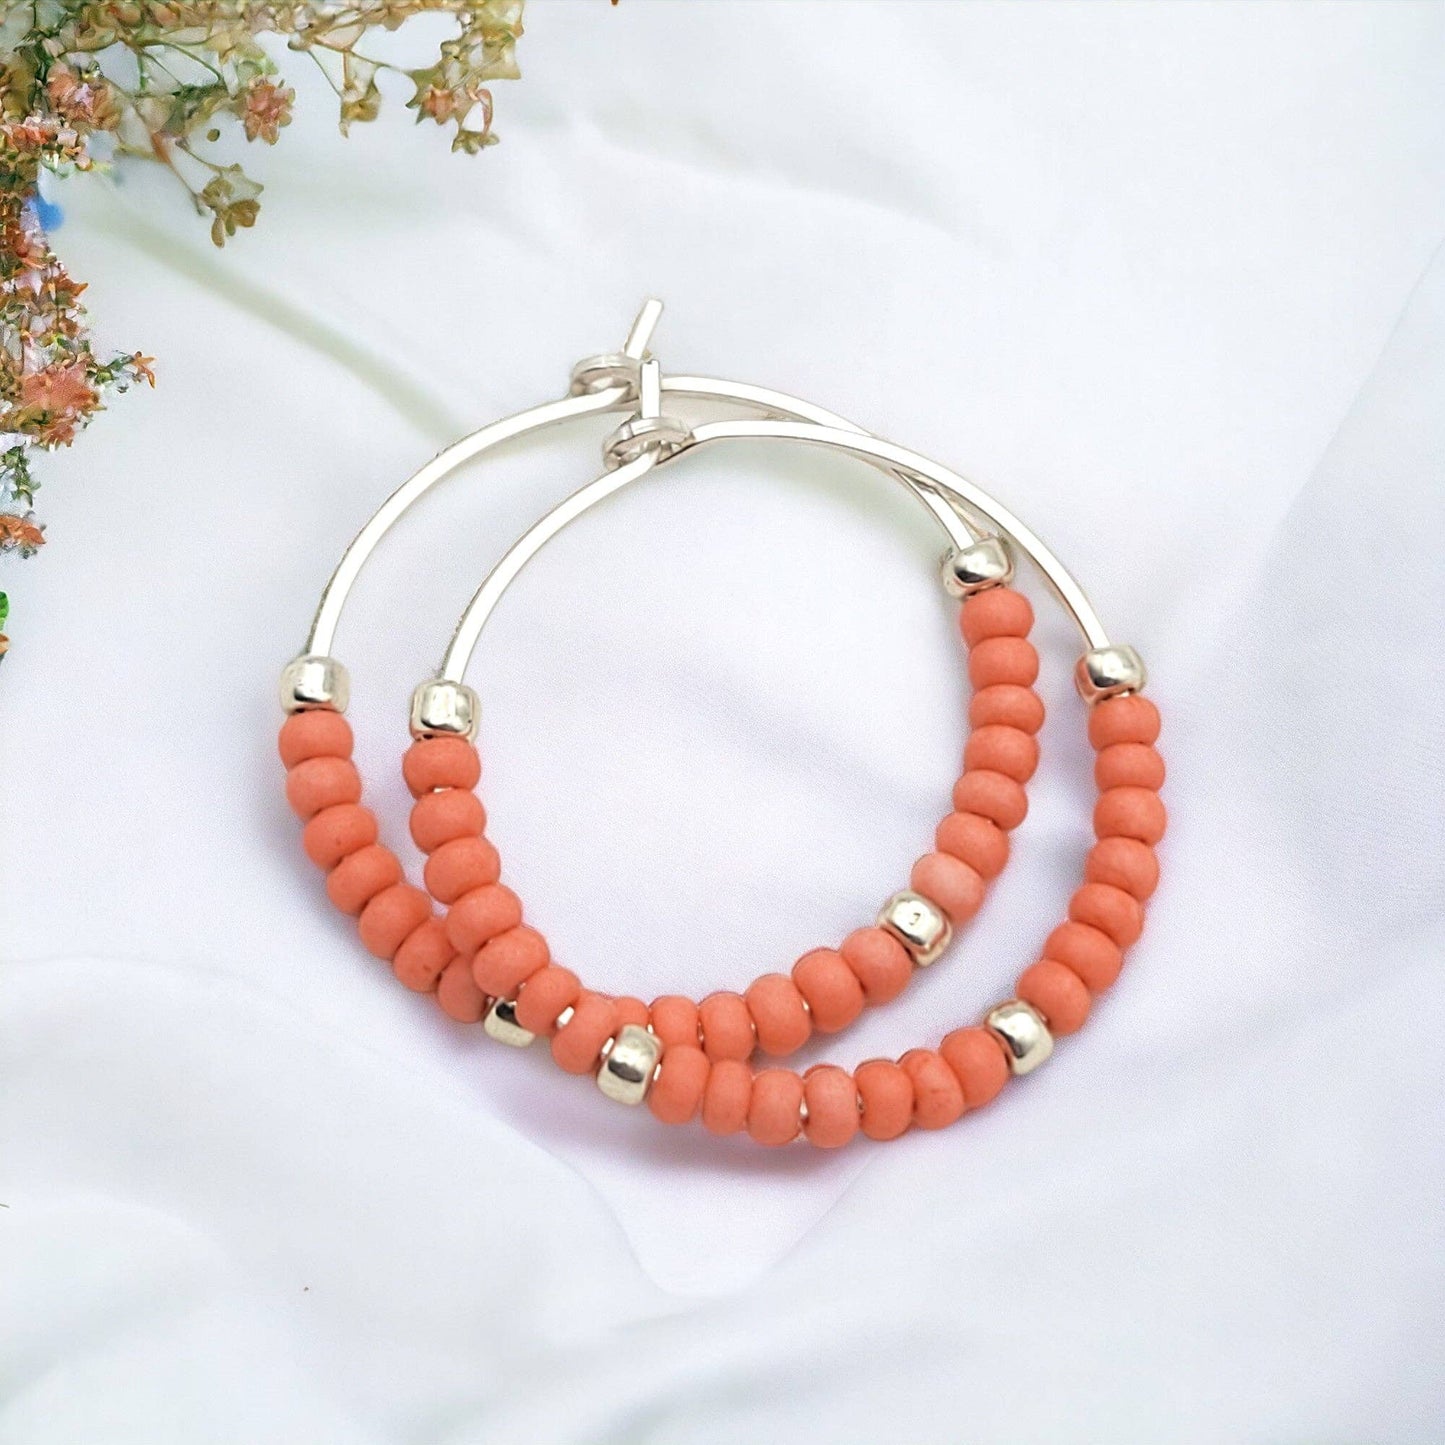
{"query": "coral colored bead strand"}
pixel 827 989
pixel 446 822
pixel 1001 755
pixel 1082 957
pixel 929 1089
pixel 364 878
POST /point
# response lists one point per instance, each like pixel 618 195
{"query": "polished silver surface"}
pixel 649 433
pixel 312 682
pixel 619 368
pixel 658 437
pixel 445 709
pixel 966 496
pixel 501 1023
pixel 629 1065
pixel 918 923
pixel 343 579
pixel 622 369
pixel 613 382
pixel 1108 672
pixel 1026 1038
pixel 948 495
pixel 609 371
pixel 987 563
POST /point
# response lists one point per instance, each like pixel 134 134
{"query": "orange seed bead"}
pixel 458 994
pixel 886 1093
pixel 774 1110
pixel 677 1091
pixel 577 1044
pixel 1056 992
pixel 995 612
pixel 937 1093
pixel 360 876
pixel 424 953
pixel 950 883
pixel 1006 704
pixel 993 796
pixel 1127 813
pixel 1129 765
pixel 1003 659
pixel 977 1060
pixel 450 762
pixel 316 734
pixel 317 783
pixel 630 1010
pixel 674 1021
pixel 879 962
pixel 1093 955
pixel 1126 863
pixel 545 995
pixel 726 1100
pixel 1111 910
pixel 1005 750
pixel 830 987
pixel 975 840
pixel 438 818
pixel 460 866
pixel 831 1097
pixel 482 914
pixel 1127 719
pixel 504 963
pixel 779 1014
pixel 390 917
pixel 727 1027
pixel 337 832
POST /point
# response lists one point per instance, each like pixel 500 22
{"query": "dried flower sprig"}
pixel 51 380
pixel 84 81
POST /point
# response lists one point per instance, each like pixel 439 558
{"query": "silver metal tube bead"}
pixel 313 682
pixel 1025 1036
pixel 918 923
pixel 629 1064
pixel 987 563
pixel 1106 672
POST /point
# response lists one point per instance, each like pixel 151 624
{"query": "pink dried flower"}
pixel 267 108
pixel 58 389
pixel 20 534
pixel 82 100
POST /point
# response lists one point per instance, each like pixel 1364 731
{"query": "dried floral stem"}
pixel 84 81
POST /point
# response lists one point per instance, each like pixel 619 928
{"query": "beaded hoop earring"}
pixel 683 1057
pixel 366 879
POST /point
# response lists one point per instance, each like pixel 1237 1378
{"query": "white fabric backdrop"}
pixel 1165 278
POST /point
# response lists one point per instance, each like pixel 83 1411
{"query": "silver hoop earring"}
pixel 687 1058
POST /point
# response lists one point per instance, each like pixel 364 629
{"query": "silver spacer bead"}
pixel 1108 672
pixel 1026 1037
pixel 988 563
pixel 444 709
pixel 629 1064
pixel 918 923
pixel 312 682
pixel 501 1023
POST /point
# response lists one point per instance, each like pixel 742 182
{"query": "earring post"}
pixel 640 335
pixel 649 390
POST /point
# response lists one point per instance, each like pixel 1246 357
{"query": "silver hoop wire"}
pixel 946 493
pixel 630 378
pixel 590 398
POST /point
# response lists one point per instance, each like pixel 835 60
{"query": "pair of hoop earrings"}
pixel 462 935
